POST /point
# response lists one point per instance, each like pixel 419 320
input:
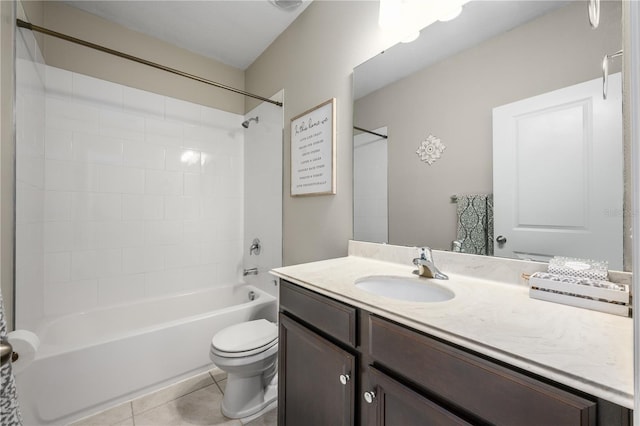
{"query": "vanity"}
pixel 427 145
pixel 489 355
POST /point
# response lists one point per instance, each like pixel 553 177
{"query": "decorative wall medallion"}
pixel 430 149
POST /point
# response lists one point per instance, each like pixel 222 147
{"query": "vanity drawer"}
pixel 489 391
pixel 326 315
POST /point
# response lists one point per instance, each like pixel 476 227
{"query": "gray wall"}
pixel 313 61
pixel 453 100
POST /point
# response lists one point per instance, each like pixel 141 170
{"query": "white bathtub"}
pixel 90 361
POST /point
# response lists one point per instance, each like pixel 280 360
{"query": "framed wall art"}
pixel 313 151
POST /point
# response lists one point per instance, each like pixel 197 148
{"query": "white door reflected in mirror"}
pixel 558 172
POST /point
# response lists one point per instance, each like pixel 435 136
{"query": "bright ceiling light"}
pixel 403 19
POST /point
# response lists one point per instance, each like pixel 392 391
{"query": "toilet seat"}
pixel 245 339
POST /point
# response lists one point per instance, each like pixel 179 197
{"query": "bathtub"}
pixel 91 361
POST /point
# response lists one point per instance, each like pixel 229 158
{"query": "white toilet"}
pixel 248 353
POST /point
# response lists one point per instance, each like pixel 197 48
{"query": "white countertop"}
pixel 586 350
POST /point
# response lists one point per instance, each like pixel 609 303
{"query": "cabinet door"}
pixel 311 391
pixel 391 403
pixel 484 389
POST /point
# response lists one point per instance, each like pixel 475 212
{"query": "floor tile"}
pixel 111 416
pixel 222 384
pixel 127 422
pixel 171 393
pixel 201 407
pixel 218 374
pixel 269 418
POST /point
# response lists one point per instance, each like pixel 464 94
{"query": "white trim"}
pixel 634 85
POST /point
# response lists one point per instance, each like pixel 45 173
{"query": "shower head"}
pixel 245 124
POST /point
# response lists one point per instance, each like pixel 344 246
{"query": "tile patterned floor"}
pixel 195 401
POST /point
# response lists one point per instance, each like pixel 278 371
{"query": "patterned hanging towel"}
pixel 475 223
pixel 9 410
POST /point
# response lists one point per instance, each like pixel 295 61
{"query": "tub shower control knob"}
pixel 369 397
pixel 344 378
pixel 255 248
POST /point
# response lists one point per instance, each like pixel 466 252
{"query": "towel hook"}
pixel 594 13
pixel 605 72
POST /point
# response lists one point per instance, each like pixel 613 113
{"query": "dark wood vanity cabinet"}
pixel 340 365
pixel 311 388
pixel 317 360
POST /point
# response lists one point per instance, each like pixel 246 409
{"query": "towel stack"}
pixel 582 283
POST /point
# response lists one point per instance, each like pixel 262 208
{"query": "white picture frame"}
pixel 313 151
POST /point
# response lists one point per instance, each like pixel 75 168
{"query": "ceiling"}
pixel 234 32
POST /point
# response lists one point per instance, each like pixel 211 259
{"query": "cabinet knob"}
pixel 344 378
pixel 501 239
pixel 369 397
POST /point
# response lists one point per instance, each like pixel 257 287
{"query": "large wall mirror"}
pixel 490 135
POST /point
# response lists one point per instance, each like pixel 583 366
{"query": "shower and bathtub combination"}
pixel 135 217
pixel 90 361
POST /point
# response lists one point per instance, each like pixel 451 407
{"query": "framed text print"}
pixel 313 151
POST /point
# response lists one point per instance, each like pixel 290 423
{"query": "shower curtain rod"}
pixel 32 27
pixel 369 131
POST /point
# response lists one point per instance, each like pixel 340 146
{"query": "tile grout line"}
pixel 217 384
pixel 174 399
pixel 133 417
pixel 171 400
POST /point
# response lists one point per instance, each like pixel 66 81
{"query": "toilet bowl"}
pixel 248 353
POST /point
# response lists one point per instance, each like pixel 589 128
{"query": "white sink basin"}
pixel 400 288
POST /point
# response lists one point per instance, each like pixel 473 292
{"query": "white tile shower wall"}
pixel 263 189
pixel 30 200
pixel 143 194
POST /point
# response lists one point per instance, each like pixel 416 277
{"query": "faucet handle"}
pixel 255 247
pixel 425 253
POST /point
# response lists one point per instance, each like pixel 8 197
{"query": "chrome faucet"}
pixel 250 271
pixel 426 267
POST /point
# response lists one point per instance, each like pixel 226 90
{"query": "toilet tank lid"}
pixel 245 336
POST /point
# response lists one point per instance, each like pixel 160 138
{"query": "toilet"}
pixel 248 353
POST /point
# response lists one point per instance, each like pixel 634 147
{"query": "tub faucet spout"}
pixel 250 271
pixel 426 267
